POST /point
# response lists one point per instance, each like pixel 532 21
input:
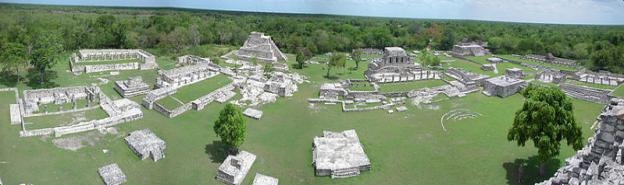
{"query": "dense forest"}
pixel 23 26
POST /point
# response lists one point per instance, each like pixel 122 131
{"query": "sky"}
pixel 533 11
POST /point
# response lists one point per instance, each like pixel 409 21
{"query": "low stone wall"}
pixel 174 112
pixel 201 102
pixel 111 67
pixel 586 93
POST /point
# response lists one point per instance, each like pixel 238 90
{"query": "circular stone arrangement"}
pixel 458 114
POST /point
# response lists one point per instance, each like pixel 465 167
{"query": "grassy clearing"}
pixel 169 103
pixel 404 148
pixel 191 92
pixel 64 119
pixel 407 86
pixel 618 92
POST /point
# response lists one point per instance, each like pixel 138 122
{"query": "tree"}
pixel 231 127
pixel 300 59
pixel 546 118
pixel 268 68
pixel 429 59
pixel 13 56
pixel 44 52
pixel 356 55
pixel 335 60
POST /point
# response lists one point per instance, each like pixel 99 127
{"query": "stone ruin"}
pixel 191 70
pixel 234 168
pixel 264 180
pixel 260 47
pixel 488 67
pixel 134 86
pixel 339 154
pixel 514 73
pixel 469 49
pixel 494 60
pixel 145 143
pixel 118 111
pixel 257 89
pixel 332 91
pixel 397 66
pixel 469 80
pixel 33 100
pixel 502 86
pixel 601 161
pixel 590 94
pixel 602 77
pixel 112 175
pixel 550 76
pixel 90 60
pixel 549 58
pixel 154 95
pixel 253 113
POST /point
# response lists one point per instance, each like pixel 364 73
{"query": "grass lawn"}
pixel 404 147
pixel 361 86
pixel 48 121
pixel 191 92
pixel 619 91
pixel 476 68
pixel 407 86
pixel 169 103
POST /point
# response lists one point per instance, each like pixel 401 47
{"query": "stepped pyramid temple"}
pixel 262 48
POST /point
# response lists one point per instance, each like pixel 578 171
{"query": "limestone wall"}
pixel 586 93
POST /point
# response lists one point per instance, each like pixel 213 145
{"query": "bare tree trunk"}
pixel 542 169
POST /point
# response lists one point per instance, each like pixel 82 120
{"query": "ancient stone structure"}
pixel 469 49
pixel 154 95
pixel 112 175
pixel 488 67
pixel 34 99
pixel 280 84
pixel 468 79
pixel 132 87
pixel 220 95
pixel 264 180
pixel 146 144
pixel 253 113
pixel 396 66
pixel 494 60
pixel 188 60
pixel 586 93
pixel 260 47
pixel 514 73
pixel 331 91
pixel 549 58
pixel 502 86
pixel 601 161
pixel 550 76
pixel 339 154
pixel 98 60
pixel 602 77
pixel 234 168
pixel 185 75
pixel 256 89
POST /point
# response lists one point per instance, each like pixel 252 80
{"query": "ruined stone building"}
pixel 549 58
pixel 332 91
pixel 601 161
pixel 397 66
pixel 550 76
pixel 502 86
pixel 468 79
pixel 234 168
pixel 280 84
pixel 339 155
pixel 590 94
pixel 260 47
pixel 185 75
pixel 134 86
pixel 469 49
pixel 602 77
pixel 145 143
pixel 98 60
pixel 514 73
pixel 112 175
pixel 264 180
pixel 34 99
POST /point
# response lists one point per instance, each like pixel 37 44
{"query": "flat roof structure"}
pixel 112 175
pixel 234 168
pixel 339 154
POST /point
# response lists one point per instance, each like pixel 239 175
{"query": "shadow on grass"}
pixel 8 78
pixel 217 151
pixel 34 79
pixel 526 171
pixel 331 77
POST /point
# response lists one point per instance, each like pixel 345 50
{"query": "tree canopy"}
pixel 546 118
pixel 231 126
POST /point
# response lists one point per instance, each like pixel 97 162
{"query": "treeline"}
pixel 599 47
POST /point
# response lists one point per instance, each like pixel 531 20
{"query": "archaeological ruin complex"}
pixel 99 60
pixel 397 66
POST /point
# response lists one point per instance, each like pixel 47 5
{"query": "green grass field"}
pixel 599 86
pixel 191 92
pixel 405 148
pixel 618 91
pixel 407 86
pixel 49 121
pixel 169 103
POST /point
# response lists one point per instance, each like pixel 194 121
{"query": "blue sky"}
pixel 535 11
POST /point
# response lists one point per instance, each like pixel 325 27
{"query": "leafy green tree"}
pixel 356 55
pixel 300 59
pixel 336 60
pixel 546 118
pixel 429 59
pixel 268 68
pixel 231 127
pixel 13 57
pixel 46 48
